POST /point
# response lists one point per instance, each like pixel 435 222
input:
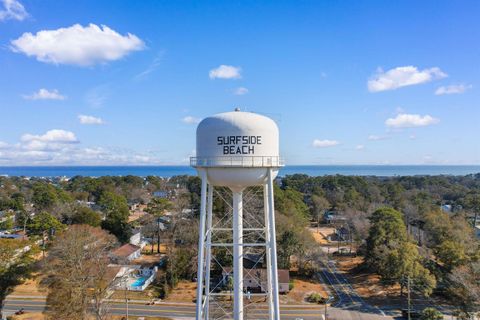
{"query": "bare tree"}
pixel 465 287
pixel 77 268
pixel 320 204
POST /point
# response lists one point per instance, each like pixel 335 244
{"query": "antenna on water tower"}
pixel 237 150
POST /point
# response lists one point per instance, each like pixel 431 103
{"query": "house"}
pixel 136 238
pixel 256 279
pixel 477 231
pixel 126 253
pixel 133 205
pixel 252 260
pixel 332 217
pixel 5 235
pixel 132 277
pixel 160 194
pixel 343 234
pixel 446 208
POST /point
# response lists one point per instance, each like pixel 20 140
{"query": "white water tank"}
pixel 236 148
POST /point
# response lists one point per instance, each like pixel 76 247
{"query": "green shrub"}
pixel 315 297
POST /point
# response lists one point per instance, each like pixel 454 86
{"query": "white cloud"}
pixel 452 89
pixel 374 137
pixel 317 143
pixel 52 140
pixel 190 120
pixel 225 72
pixel 402 77
pixel 44 94
pixel 77 45
pixel 55 135
pixel 60 147
pixel 360 147
pixel 12 9
pixel 97 96
pixel 152 67
pixel 84 119
pixel 240 91
pixel 404 120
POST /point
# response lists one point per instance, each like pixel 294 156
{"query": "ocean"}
pixel 169 171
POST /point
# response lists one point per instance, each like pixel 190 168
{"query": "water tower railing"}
pixel 238 161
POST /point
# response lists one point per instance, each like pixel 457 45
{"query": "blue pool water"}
pixel 139 282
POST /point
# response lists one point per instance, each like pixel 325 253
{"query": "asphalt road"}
pixel 348 304
pixel 167 310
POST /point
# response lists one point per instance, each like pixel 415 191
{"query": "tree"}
pixel 290 202
pixel 15 264
pixel 451 254
pixel 320 204
pixel 44 222
pixel 392 255
pixel 8 222
pixel 44 195
pixel 431 314
pixel 77 268
pixel 85 215
pixel 158 207
pixel 472 201
pixel 465 287
pixel 116 215
pixel 387 232
pixel 287 246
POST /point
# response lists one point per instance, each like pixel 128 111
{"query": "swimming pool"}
pixel 139 282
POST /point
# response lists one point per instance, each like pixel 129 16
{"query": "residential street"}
pixel 172 310
pixel 348 304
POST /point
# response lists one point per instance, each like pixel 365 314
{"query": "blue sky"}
pixel 349 82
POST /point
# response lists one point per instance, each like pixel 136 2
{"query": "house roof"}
pixel 111 274
pixel 283 274
pixel 125 250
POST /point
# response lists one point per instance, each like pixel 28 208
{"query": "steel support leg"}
pixel 237 255
pixel 273 246
pixel 268 252
pixel 208 258
pixel 201 245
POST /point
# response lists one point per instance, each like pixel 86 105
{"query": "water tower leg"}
pixel 208 250
pixel 273 246
pixel 201 245
pixel 268 253
pixel 237 255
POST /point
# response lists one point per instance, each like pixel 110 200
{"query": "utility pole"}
pixel 126 295
pixel 408 297
pixel 330 298
pixel 326 310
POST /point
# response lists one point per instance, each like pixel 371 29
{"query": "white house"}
pixel 126 253
pixel 256 279
pixel 136 238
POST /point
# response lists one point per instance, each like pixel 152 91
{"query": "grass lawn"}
pixel 31 287
pixel 184 292
pixel 301 289
pixel 365 283
pixel 133 295
pixel 148 248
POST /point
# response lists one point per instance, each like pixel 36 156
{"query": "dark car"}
pixel 413 314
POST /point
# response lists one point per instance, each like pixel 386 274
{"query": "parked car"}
pixel 413 314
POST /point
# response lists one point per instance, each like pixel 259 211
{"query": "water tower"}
pixel 237 150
